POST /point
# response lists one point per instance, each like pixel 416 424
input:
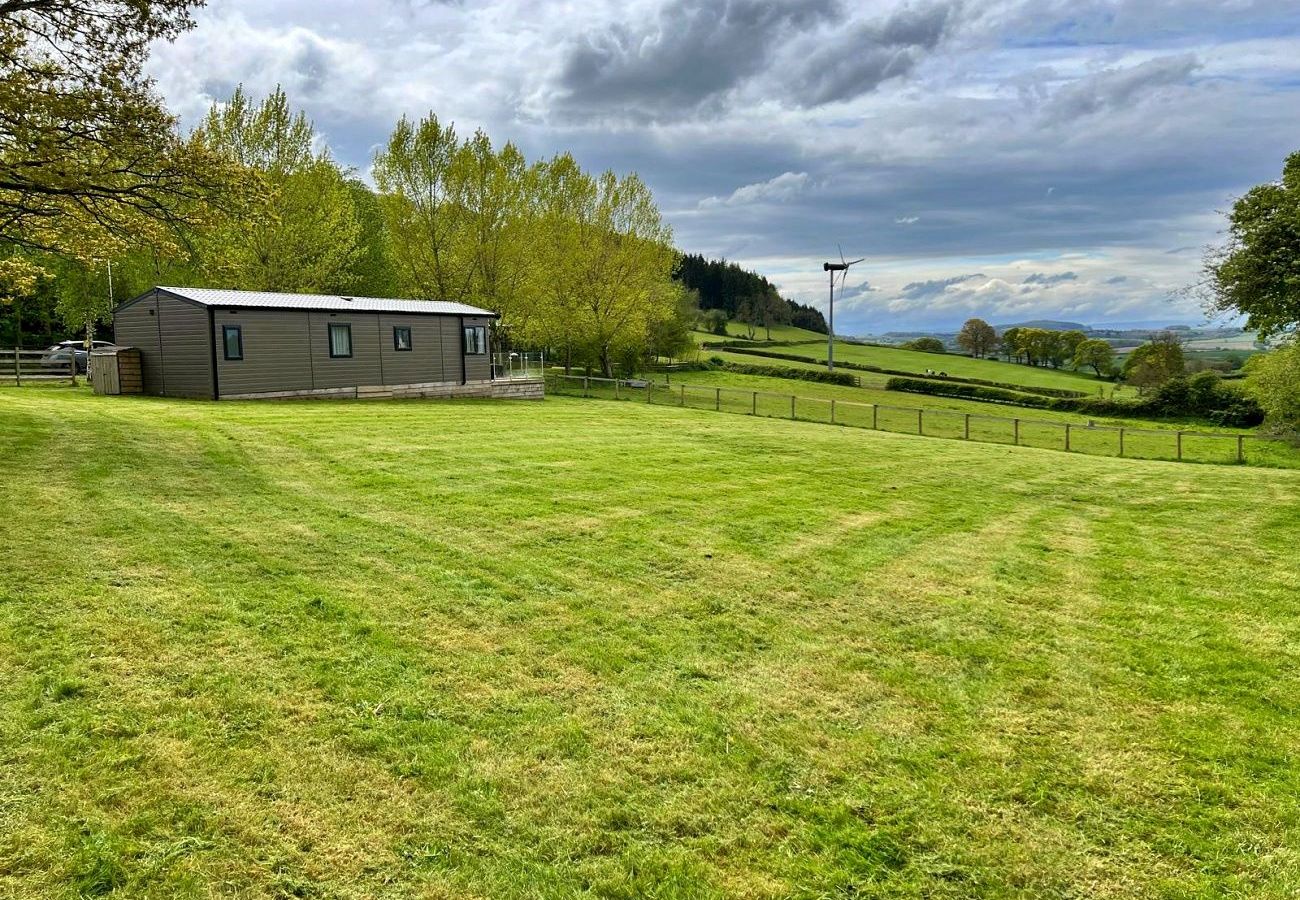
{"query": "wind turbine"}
pixel 832 268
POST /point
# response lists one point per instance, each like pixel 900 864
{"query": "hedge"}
pixel 843 378
pixel 954 379
pixel 1228 408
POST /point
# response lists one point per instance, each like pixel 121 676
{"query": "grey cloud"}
pixel 1117 88
pixel 693 52
pixel 1049 280
pixel 1116 279
pixel 856 291
pixel 864 57
pixel 919 290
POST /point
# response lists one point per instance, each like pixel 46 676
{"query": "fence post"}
pixel 717 399
pixel 1180 446
pixel 72 365
pixel 967 431
pixel 1015 425
pixel 920 426
pixel 18 367
pixel 832 411
pixel 753 406
pixel 1121 440
pixel 616 396
pixel 874 410
pixel 649 388
pixel 584 385
pixel 792 406
pixel 1241 451
pixel 683 403
pixel 1067 437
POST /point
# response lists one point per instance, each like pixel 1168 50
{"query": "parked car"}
pixel 56 356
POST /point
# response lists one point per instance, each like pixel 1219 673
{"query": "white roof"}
pixel 331 302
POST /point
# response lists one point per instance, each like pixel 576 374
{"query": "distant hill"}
pixel 1047 325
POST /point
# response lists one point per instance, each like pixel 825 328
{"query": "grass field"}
pixel 396 649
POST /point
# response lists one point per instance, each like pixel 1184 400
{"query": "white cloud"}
pixel 775 190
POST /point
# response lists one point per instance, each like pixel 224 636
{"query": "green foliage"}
pixel 844 378
pixel 1257 272
pixel 1096 354
pixel 925 345
pixel 579 263
pixel 726 286
pixel 1207 400
pixel 302 234
pixel 1155 362
pixel 978 338
pixel 1273 380
pixel 91 163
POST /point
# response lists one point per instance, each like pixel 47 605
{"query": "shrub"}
pixel 925 345
pixel 843 378
pixel 1273 381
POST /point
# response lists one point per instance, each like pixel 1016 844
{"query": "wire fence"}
pixel 1101 440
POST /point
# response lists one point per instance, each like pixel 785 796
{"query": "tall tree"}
pixel 1257 272
pixel 301 235
pixel 977 337
pixel 1095 353
pixel 429 222
pixel 90 160
pixel 1155 362
pixel 1012 343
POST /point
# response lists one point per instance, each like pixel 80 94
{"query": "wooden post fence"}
pixel 1180 446
pixel 832 412
pixel 1121 440
pixel 1067 437
pixel 753 404
pixel 717 399
pixel 792 406
pixel 874 410
pixel 966 432
pixel 920 428
pixel 1015 426
pixel 1241 450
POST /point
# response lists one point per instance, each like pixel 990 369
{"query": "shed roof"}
pixel 330 302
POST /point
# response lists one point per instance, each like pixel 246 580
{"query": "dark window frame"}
pixel 410 339
pixel 225 341
pixel 465 342
pixel 329 339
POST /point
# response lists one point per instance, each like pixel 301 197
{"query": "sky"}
pixel 1008 159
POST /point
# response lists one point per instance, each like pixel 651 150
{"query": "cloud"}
pixel 774 190
pixel 859 59
pixel 1049 280
pixel 689 53
pixel 907 220
pixel 920 290
pixel 1116 279
pixel 1118 88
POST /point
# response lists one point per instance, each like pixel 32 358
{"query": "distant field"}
pixel 433 649
pixel 779 333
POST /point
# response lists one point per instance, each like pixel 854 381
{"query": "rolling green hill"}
pixel 395 649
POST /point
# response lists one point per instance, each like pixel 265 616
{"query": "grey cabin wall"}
pixel 277 356
pixel 182 349
pixel 136 325
pixel 187 354
pixel 478 367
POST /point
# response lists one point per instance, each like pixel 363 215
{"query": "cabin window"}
pixel 232 339
pixel 401 337
pixel 475 340
pixel 340 341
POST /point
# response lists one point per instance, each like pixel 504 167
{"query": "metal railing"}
pixel 1180 445
pixel 37 365
pixel 518 365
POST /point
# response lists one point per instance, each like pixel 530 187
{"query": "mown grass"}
pixel 400 649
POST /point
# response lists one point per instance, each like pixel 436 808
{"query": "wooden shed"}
pixel 220 344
